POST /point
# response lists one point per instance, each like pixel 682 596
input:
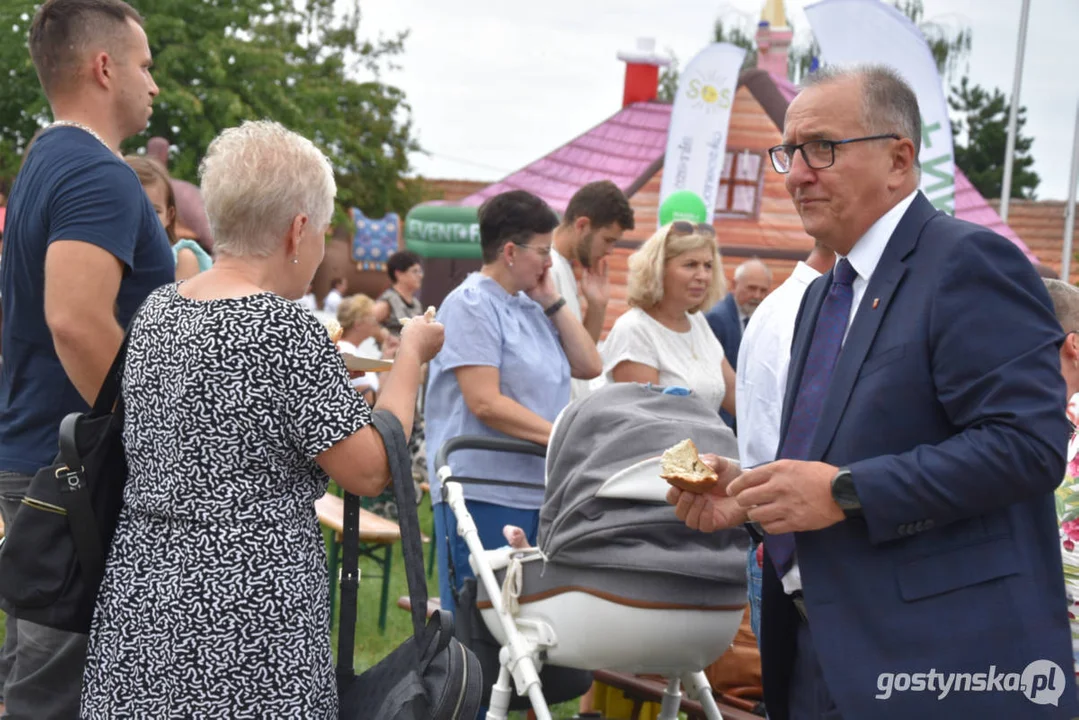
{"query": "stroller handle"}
pixel 481 442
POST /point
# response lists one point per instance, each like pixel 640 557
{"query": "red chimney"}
pixel 642 72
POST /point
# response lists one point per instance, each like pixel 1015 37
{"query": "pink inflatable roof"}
pixel 620 149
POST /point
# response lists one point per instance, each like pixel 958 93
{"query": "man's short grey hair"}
pixel 889 105
pixel 740 271
pixel 256 178
pixel 1065 297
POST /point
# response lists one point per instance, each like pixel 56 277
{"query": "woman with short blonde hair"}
pixel 238 409
pixel 664 338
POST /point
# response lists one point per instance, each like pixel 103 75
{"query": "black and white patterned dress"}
pixel 215 601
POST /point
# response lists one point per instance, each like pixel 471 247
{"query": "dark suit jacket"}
pixel 727 327
pixel 724 321
pixel 947 404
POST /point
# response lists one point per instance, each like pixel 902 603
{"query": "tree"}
pixel 732 33
pixel 950 49
pixel 668 80
pixel 736 35
pixel 982 125
pixel 219 62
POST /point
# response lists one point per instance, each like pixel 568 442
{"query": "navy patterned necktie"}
pixel 816 377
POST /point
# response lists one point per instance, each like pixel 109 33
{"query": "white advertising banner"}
pixel 871 31
pixel 697 138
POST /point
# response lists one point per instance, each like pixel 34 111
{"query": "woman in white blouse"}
pixel 664 338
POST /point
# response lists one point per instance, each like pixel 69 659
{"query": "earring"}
pixel 295 261
pixel 511 263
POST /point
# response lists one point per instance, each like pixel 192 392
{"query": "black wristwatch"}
pixel 844 494
pixel 555 307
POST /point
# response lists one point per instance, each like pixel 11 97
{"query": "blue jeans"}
pixel 40 668
pixel 489 519
pixel 753 578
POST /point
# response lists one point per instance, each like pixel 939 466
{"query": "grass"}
pixel 372 646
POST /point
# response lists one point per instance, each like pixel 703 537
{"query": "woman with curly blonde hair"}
pixel 664 338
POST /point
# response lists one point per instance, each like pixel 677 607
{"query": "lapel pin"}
pixel 876 303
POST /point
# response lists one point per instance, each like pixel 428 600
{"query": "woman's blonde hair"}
pixel 646 267
pixel 354 309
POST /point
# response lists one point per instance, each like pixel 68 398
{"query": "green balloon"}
pixel 683 205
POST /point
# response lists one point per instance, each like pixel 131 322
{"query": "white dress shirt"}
pixel 368 349
pixel 566 284
pixel 864 258
pixel 332 302
pixel 763 360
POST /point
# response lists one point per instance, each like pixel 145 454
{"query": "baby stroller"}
pixel 617 582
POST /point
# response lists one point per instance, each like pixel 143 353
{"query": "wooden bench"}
pixel 635 687
pixel 377 538
pixel 405 603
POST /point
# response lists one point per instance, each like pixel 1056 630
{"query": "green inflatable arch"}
pixel 443 231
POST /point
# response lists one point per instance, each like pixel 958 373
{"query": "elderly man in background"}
pixel 730 316
pixel 83 249
pixel 595 219
pixel 912 566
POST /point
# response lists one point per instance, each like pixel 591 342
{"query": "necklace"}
pixel 84 128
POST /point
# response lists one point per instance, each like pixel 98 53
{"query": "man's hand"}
pixel 712 510
pixel 788 496
pixel 595 284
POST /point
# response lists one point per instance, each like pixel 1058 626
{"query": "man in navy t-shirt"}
pixel 82 250
pixel 72 186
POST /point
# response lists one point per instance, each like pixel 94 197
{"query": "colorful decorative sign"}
pixel 375 240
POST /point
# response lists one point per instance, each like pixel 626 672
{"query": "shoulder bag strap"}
pixel 110 388
pixel 393 436
pixel 80 512
pixel 350 582
pixel 85 530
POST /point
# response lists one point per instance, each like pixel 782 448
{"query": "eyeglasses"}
pixel 818 154
pixel 543 252
pixel 684 227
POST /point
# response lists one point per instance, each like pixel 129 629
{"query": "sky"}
pixel 494 85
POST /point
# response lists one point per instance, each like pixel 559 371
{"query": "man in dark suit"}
pixel 729 317
pixel 912 565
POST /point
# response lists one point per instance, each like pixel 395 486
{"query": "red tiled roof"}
pixel 451 191
pixel 1041 225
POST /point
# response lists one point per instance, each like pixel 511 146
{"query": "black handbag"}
pixel 53 557
pixel 430 676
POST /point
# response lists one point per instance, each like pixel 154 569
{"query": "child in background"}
pixel 190 258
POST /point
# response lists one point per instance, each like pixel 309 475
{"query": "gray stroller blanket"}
pixel 605 432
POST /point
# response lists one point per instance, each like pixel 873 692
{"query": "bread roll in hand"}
pixel 681 466
pixel 429 316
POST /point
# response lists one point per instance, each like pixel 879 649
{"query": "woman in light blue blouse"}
pixel 511 348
